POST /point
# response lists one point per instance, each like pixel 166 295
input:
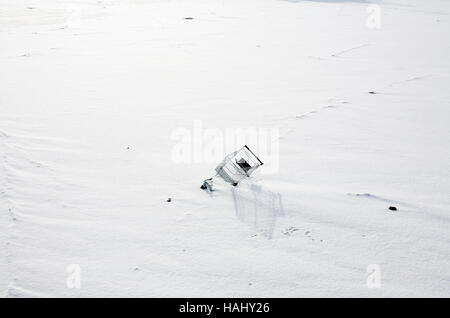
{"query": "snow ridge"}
pixel 20 195
pixel 7 213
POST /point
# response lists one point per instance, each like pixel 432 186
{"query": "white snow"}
pixel 91 93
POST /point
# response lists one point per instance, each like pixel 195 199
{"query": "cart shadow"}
pixel 257 207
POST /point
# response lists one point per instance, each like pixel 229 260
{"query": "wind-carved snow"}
pixel 29 188
pixel 90 96
pixel 5 220
pixel 10 214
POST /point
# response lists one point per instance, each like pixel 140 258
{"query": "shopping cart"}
pixel 235 167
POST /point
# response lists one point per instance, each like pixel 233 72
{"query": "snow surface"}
pixel 92 91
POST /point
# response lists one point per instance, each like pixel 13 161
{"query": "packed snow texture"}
pixel 91 93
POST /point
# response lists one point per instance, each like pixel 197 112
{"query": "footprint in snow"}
pixel 294 230
pixel 290 231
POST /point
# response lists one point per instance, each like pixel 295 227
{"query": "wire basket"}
pixel 238 165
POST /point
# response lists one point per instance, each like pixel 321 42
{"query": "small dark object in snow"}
pixel 128 148
pixel 207 185
pixel 392 208
pixel 189 18
pixel 372 92
pixel 169 200
pixel 235 167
